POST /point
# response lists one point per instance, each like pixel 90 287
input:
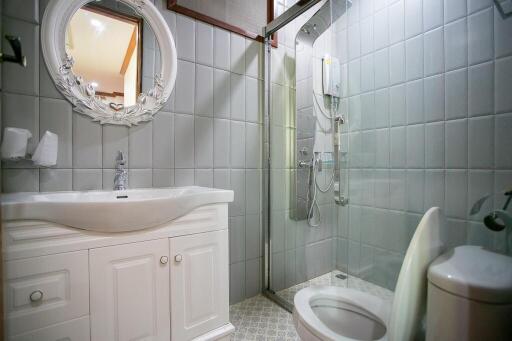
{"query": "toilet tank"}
pixel 470 296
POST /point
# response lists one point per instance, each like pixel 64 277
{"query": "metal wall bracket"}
pixel 18 57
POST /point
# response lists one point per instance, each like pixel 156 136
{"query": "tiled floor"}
pixel 259 318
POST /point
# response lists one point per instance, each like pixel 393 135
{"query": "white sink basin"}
pixel 111 211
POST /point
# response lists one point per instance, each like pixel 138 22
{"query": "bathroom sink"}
pixel 111 211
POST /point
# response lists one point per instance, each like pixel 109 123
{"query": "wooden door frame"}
pixel 173 6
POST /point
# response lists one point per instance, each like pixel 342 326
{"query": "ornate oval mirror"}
pixel 114 60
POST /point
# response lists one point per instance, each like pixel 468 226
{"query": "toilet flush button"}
pixel 164 259
pixel 178 258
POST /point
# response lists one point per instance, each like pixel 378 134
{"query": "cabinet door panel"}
pixel 130 292
pixel 62 283
pixel 199 284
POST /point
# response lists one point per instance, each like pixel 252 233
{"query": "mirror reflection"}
pixel 105 39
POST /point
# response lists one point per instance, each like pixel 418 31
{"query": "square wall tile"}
pixel 456 94
pixel 481 89
pixel 381 27
pixel 140 178
pixel 237 178
pixel 354 42
pixel 397 185
pixel 454 9
pixel 415 146
pixel 503 141
pixel 433 51
pixel 221 49
pixel 163 177
pixel 237 144
pixel 456 45
pixel 21 111
pixel 237 95
pixel 396 22
pixel 456 144
pixel 55 115
pixel 184 141
pixel 253 183
pixel 204 91
pixel 203 145
pixel 415 190
pixel 397 63
pixel 183 177
pixel 51 180
pixel 253 237
pixel 221 143
pixel 397 106
pixel 503 84
pixel 434 189
pixel 354 77
pixel 433 91
pixel 414 58
pixel 413 17
pixel 397 147
pixel 432 14
pixel 367 73
pixel 414 92
pixel 254 59
pixel 186 38
pixel 434 145
pixel 381 61
pixel 140 142
pixel 382 108
pixel 163 140
pixel 480 37
pixel 221 93
pixel 456 193
pixel 367 36
pixel 253 145
pixel 203 177
pixel 481 142
pixel 237 56
pixel 382 148
pixel 502 34
pixel 87 179
pixel 185 87
pixel 204 43
pixel 476 5
pixel 253 100
pixel 115 138
pixel 236 282
pixel 24 10
pixel 87 137
pixel 20 180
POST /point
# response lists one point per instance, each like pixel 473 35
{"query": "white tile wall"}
pixel 442 122
pixel 209 133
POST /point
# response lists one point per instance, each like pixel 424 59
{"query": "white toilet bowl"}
pixel 334 313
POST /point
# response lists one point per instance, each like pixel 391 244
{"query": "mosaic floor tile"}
pixel 260 319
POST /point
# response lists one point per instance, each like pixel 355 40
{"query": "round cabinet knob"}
pixel 164 259
pixel 178 258
pixel 36 296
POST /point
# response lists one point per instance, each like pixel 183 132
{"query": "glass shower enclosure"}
pixel 319 227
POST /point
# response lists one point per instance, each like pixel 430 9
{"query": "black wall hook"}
pixel 18 57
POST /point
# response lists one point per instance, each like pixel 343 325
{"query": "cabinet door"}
pixel 199 284
pixel 130 292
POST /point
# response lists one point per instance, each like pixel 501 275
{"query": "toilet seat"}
pixel 332 313
pixel 335 313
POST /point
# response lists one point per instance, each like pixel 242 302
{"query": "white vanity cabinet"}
pixel 199 289
pixel 129 286
pixel 169 283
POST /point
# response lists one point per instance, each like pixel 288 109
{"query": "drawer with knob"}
pixel 45 290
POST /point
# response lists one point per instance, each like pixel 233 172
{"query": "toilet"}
pixel 335 313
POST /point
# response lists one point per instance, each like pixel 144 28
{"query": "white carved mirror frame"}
pixel 82 95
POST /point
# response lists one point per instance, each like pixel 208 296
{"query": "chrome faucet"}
pixel 121 175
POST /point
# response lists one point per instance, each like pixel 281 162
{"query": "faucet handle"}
pixel 120 160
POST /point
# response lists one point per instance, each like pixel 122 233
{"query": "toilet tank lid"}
pixel 475 273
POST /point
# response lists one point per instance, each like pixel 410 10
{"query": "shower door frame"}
pixel 292 13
